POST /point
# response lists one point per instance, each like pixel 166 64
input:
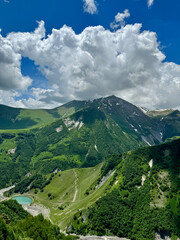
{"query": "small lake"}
pixel 23 200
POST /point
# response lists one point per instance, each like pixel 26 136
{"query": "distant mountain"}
pixel 171 124
pixel 77 134
pixel 19 118
pixel 159 113
pixel 114 182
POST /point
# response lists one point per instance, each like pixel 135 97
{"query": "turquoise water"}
pixel 23 200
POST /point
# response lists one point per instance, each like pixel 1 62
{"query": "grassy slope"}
pixel 63 188
pixel 44 149
pixel 16 118
pixel 19 118
pixel 159 113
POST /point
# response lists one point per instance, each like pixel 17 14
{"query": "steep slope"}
pixel 143 197
pixel 131 119
pixel 94 130
pixel 134 196
pixel 70 191
pixel 80 140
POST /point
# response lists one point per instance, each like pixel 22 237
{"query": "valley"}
pixel 99 167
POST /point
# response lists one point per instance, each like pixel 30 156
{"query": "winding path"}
pixel 76 190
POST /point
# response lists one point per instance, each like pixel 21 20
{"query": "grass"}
pixel 62 188
pixel 160 113
pixel 5 146
pixel 40 116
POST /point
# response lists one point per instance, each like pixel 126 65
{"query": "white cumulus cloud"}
pixel 119 19
pixel 90 6
pixel 10 67
pixel 126 62
pixel 150 3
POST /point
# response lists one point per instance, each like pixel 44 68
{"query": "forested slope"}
pixel 143 198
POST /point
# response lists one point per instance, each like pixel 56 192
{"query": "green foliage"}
pixel 13 210
pixel 5 232
pixel 127 210
pixel 24 226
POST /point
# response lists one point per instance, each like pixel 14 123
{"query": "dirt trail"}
pixel 2 191
pixel 76 190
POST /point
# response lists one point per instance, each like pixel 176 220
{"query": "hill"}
pixel 134 195
pixel 92 131
pixel 143 198
pixel 19 118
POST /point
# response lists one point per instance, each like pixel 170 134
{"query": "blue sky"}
pixel 162 17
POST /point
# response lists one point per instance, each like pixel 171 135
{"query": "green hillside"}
pixel 94 130
pixel 81 140
pixel 133 195
pixel 70 191
pixel 19 118
pixel 143 197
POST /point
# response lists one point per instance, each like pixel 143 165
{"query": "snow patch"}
pixel 143 180
pixel 71 124
pixel 144 139
pixel 131 125
pixel 161 135
pixel 144 110
pixel 96 148
pixel 151 163
pixel 116 182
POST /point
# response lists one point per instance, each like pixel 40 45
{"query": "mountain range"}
pixel 90 150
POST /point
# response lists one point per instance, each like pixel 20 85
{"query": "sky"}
pixel 52 52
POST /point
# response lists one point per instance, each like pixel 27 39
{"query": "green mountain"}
pixel 135 195
pixel 87 163
pixel 84 134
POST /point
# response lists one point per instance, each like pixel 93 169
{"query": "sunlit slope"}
pixel 69 192
pixel 19 118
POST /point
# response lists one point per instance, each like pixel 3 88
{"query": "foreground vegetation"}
pixel 137 208
pixel 17 224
